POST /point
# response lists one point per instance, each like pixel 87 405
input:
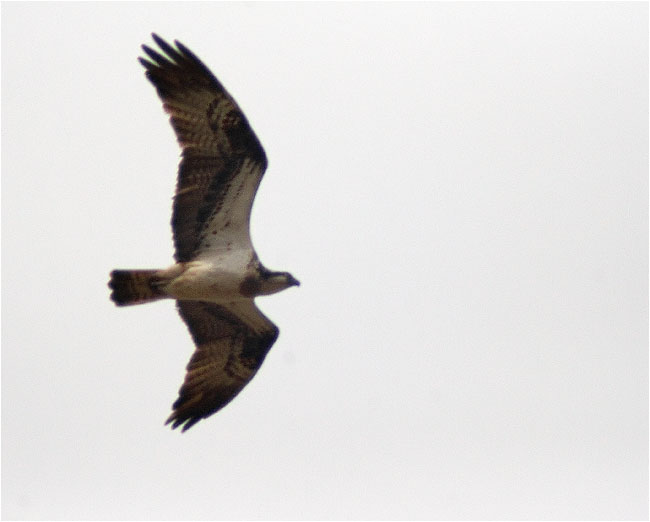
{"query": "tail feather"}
pixel 131 287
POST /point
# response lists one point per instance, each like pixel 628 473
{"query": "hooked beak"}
pixel 294 282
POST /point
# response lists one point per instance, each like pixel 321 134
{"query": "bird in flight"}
pixel 217 273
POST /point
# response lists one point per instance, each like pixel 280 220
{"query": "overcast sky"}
pixel 462 190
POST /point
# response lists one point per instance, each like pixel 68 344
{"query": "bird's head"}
pixel 272 282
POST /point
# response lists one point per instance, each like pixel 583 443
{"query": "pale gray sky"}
pixel 462 190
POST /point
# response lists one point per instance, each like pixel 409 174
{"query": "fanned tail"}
pixel 131 287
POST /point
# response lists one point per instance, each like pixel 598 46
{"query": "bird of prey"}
pixel 217 274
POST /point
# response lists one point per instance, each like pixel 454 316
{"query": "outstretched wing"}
pixel 231 344
pixel 222 159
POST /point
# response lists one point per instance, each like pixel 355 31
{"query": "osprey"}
pixel 217 274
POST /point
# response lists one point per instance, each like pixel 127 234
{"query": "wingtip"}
pixel 157 38
pixel 175 422
pixel 184 50
pixel 185 424
pixel 144 62
pixel 172 420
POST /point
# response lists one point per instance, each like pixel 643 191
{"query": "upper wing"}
pixel 231 344
pixel 223 161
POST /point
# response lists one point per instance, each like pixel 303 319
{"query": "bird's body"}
pixel 217 273
pixel 217 282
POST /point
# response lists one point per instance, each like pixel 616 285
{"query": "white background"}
pixel 462 190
